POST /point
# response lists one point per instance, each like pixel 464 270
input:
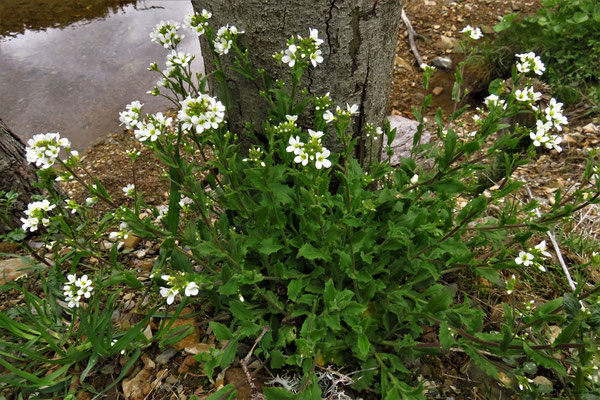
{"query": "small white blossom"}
pixel 321 159
pixel 43 149
pixel 197 22
pixel 295 145
pixel 328 117
pixel 302 158
pixel 224 40
pixel 129 190
pixel 524 258
pixel 191 289
pixel 201 113
pixel 165 34
pixel 473 33
pixel 530 62
pixel 414 179
pixel 131 116
pixel 169 293
pixel 37 212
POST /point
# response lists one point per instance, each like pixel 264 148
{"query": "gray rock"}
pixel 12 269
pixel 545 382
pixel 448 43
pixel 442 62
pixel 165 356
pixel 403 142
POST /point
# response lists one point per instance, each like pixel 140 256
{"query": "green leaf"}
pixel 269 246
pixel 568 333
pixel 544 361
pixel 272 393
pixel 481 362
pixel 311 253
pixel 294 288
pixel 580 17
pixel 221 331
pixel 228 392
pixel 329 293
pixel 446 338
pixel 363 346
pixel 277 359
pixel 571 306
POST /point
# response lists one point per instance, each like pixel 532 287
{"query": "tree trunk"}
pixel 15 174
pixel 360 38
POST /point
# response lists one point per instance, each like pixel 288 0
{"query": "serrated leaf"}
pixel 310 252
pixel 272 393
pixel 363 346
pixel 544 361
pixel 445 335
pixel 269 246
pixel 568 333
pixel 571 306
pixel 481 362
pixel 228 392
pixel 329 293
pixel 277 359
pixel 294 288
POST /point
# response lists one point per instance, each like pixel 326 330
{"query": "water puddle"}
pixel 72 68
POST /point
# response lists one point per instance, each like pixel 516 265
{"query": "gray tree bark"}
pixel 360 38
pixel 15 174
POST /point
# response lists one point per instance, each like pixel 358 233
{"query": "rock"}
pixel 448 43
pixel 148 363
pixel 403 142
pixel 12 269
pixel 545 382
pixel 132 242
pixel 8 247
pixel 137 387
pixel 198 348
pixel 236 377
pixel 191 339
pixel 165 356
pixel 590 128
pixel 437 90
pixel 554 332
pixel 442 62
pixel 171 379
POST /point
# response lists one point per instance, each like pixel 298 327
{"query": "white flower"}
pixel 316 58
pixel 530 62
pixel 541 247
pixel 179 59
pixel 191 289
pixel 295 145
pixel 201 113
pixel 328 117
pixel 289 56
pixel 147 131
pixel 554 143
pixel 73 301
pixel 197 22
pixel 165 34
pixel 169 293
pixel 352 109
pixel 37 212
pixel 473 33
pixel 301 158
pixel 315 135
pixel 129 190
pixel 291 118
pixel 321 159
pixel 414 179
pixel 538 138
pixel 493 101
pixel 224 40
pixel 130 117
pixel 42 150
pixel 314 35
pixel 524 258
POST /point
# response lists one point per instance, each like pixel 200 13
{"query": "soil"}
pixel 449 376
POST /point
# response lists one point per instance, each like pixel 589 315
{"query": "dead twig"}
pixel 411 37
pixel 244 364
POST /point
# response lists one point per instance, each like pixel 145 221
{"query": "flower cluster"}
pixel 350 110
pixel 121 234
pixel 313 150
pixel 176 285
pixel 178 59
pixel 473 33
pixel 225 37
pixel 129 190
pixel 165 34
pixel 201 113
pixel 255 155
pixel 43 149
pixel 305 49
pixel 131 116
pixel 372 131
pixel 527 95
pixel 37 212
pixel 74 289
pixel 530 62
pixel 493 101
pixel 551 119
pixel 527 258
pixel 197 22
pixel 153 128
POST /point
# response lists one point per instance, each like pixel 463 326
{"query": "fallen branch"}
pixel 244 364
pixel 411 37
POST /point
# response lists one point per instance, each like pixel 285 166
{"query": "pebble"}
pixel 437 90
pixel 442 62
pixel 543 381
pixel 132 242
pixel 12 269
pixel 165 356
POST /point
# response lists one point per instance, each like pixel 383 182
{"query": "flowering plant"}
pixel 320 259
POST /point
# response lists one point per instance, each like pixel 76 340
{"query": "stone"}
pixel 403 142
pixel 132 242
pixel 437 90
pixel 442 62
pixel 12 269
pixel 187 363
pixel 165 356
pixel 137 387
pixel 198 348
pixel 448 43
pixel 191 339
pixel 590 128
